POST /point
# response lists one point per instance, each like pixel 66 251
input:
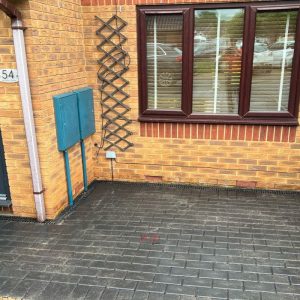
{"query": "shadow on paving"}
pixel 143 241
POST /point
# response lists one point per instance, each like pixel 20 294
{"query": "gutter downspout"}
pixel 20 52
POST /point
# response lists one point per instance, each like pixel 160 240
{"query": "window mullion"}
pixel 187 59
pixel 294 96
pixel 247 59
pixel 142 56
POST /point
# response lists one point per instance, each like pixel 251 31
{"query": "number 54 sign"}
pixel 8 75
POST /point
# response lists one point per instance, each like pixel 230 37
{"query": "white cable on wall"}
pixel 283 62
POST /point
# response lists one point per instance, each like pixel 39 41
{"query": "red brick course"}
pixel 283 134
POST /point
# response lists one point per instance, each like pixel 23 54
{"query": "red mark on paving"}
pixel 152 238
pixel 155 238
pixel 143 237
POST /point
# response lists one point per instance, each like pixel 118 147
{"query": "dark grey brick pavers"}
pixel 135 241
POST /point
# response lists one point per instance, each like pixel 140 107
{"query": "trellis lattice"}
pixel 114 63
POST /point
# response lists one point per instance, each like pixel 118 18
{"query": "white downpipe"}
pixel 283 62
pixel 155 63
pixel 217 62
pixel 19 44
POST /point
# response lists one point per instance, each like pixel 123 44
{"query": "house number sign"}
pixel 8 75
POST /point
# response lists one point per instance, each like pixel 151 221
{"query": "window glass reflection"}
pixel 164 61
pixel 272 60
pixel 217 60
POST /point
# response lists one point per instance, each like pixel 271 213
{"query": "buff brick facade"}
pixel 229 155
pixel 56 63
pixel 62 56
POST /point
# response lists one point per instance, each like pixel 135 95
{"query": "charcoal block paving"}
pixel 152 242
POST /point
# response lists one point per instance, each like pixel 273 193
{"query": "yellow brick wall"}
pixel 12 126
pixel 56 61
pixel 61 49
pixel 274 165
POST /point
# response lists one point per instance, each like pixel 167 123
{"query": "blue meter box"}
pixel 86 112
pixel 67 120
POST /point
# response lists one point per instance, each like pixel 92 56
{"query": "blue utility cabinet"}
pixel 86 112
pixel 67 120
pixel 75 120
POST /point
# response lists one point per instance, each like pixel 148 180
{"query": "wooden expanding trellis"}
pixel 114 63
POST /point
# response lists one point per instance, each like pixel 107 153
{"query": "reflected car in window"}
pixel 163 51
pixel 164 70
pixel 277 53
pixel 207 49
pixel 168 63
pixel 272 56
pixel 262 56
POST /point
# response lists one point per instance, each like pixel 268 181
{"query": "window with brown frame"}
pixel 220 63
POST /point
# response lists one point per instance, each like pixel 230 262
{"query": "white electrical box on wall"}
pixel 110 154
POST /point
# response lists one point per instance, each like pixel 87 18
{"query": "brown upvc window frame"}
pixel 244 115
pixel 292 108
pixel 143 91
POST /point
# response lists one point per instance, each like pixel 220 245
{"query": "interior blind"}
pixel 164 61
pixel 272 60
pixel 217 60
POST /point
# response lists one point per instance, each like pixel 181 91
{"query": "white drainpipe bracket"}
pixel 38 191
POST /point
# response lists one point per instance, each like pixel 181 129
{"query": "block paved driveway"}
pixel 136 241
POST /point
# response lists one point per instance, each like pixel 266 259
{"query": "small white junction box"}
pixel 110 154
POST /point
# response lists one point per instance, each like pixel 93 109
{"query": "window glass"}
pixel 272 67
pixel 218 39
pixel 164 61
